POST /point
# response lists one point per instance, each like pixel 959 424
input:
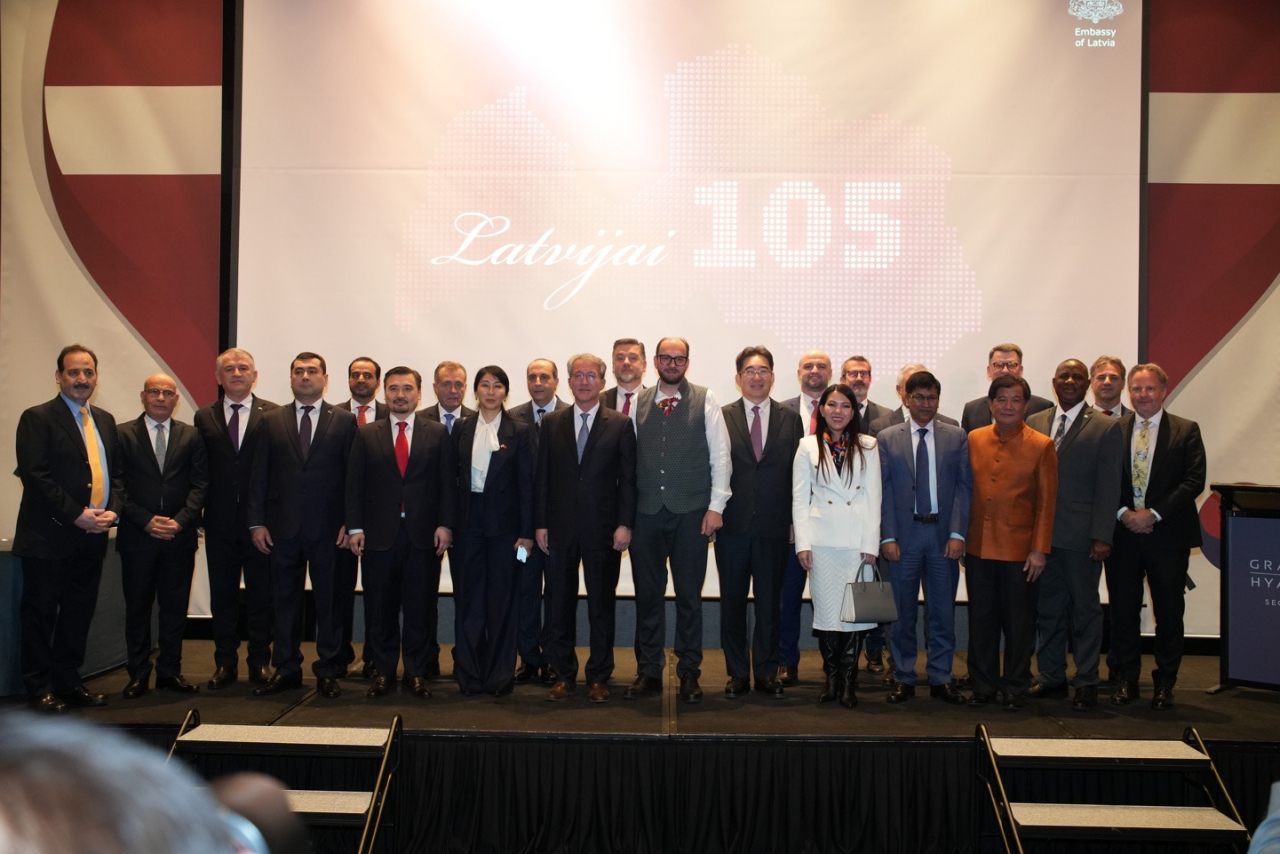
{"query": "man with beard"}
pixel 629 366
pixel 682 477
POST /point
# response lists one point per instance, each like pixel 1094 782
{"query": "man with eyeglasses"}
pixel 1003 359
pixel 751 548
pixel 584 509
pixel 629 365
pixel 927 483
pixel 68 456
pixel 682 478
pixel 856 374
pixel 165 481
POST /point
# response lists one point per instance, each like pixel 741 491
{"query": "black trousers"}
pixel 600 569
pixel 1133 559
pixel 291 562
pixel 484 655
pixel 229 555
pixel 658 537
pixel 346 571
pixel 400 579
pixel 1001 601
pixel 750 561
pixel 161 574
pixel 58 600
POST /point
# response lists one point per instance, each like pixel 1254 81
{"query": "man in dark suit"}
pixel 1002 359
pixel 164 484
pixel 231 429
pixel 813 373
pixel 1106 379
pixel 1158 525
pixel 400 497
pixel 629 365
pixel 899 415
pixel 751 548
pixel 584 507
pixel 295 515
pixel 924 517
pixel 1090 448
pixel 69 463
pixel 534 605
pixel 363 376
pixel 450 386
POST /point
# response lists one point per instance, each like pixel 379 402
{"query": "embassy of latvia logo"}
pixel 1095 10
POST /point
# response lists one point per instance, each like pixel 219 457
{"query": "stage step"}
pixel 316 808
pixel 1208 816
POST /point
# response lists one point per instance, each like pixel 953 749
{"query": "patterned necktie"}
pixel 1062 431
pixel 304 431
pixel 813 418
pixel 1141 466
pixel 582 435
pixel 361 419
pixel 448 422
pixel 233 426
pixel 402 448
pixel 757 433
pixel 537 419
pixel 626 404
pixel 924 495
pixel 667 404
pixel 97 491
pixel 162 446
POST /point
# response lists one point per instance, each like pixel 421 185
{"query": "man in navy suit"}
pixel 69 463
pixel 1157 527
pixel 584 507
pixel 752 547
pixel 165 481
pixel 295 515
pixel 927 482
pixel 400 497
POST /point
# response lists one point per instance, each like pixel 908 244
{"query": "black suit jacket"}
pixel 1174 481
pixel 585 502
pixel 1088 477
pixel 53 465
pixel 177 492
pixel 433 412
pixel 296 497
pixel 761 499
pixel 508 489
pixel 379 409
pixel 376 491
pixel 226 506
pixel 977 412
pixel 899 416
pixel 525 412
pixel 609 399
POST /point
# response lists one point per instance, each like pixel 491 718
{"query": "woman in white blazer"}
pixel 835 506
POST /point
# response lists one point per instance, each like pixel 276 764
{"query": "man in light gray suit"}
pixel 924 514
pixel 1090 453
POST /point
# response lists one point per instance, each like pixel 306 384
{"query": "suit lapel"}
pixel 1081 420
pixel 143 436
pixel 63 417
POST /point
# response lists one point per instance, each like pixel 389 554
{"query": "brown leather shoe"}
pixel 381 687
pixel 561 691
pixel 598 692
pixel 788 675
pixel 418 687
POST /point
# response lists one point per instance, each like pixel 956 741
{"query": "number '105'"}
pixel 722 196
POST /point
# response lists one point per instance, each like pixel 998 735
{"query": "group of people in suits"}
pixel 1033 496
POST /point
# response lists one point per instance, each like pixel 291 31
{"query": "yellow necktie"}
pixel 98 491
pixel 1141 466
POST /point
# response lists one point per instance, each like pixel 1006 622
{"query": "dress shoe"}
pixel 875 662
pixel 643 686
pixel 770 688
pixel 1011 702
pixel 276 684
pixel 419 688
pixel 549 675
pixel 561 691
pixel 1086 698
pixel 598 692
pixel 900 693
pixel 259 674
pixel 222 677
pixel 690 690
pixel 736 687
pixel 1041 691
pixel 369 671
pixel 525 673
pixel 1126 693
pixel 136 688
pixel 328 687
pixel 78 696
pixel 788 675
pixel 47 704
pixel 1163 700
pixel 176 684
pixel 947 693
pixel 965 681
pixel 977 701
pixel 381 687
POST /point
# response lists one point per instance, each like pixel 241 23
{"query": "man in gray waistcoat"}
pixel 682 478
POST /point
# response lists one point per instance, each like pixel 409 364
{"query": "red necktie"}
pixel 360 419
pixel 813 418
pixel 402 447
pixel 626 404
pixel 667 404
pixel 1106 412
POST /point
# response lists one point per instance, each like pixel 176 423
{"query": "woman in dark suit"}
pixel 495 486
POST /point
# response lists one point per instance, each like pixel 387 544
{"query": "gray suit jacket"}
pixel 1089 476
pixel 898 477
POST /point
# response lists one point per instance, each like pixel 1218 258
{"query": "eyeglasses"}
pixel 856 374
pixel 590 376
pixel 925 399
pixel 160 392
pixel 755 373
pixel 1006 366
pixel 678 361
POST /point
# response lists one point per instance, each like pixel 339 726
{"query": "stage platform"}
pixel 520 773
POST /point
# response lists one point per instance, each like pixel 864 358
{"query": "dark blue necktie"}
pixel 924 497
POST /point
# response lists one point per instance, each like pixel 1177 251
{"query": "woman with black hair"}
pixel 835 506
